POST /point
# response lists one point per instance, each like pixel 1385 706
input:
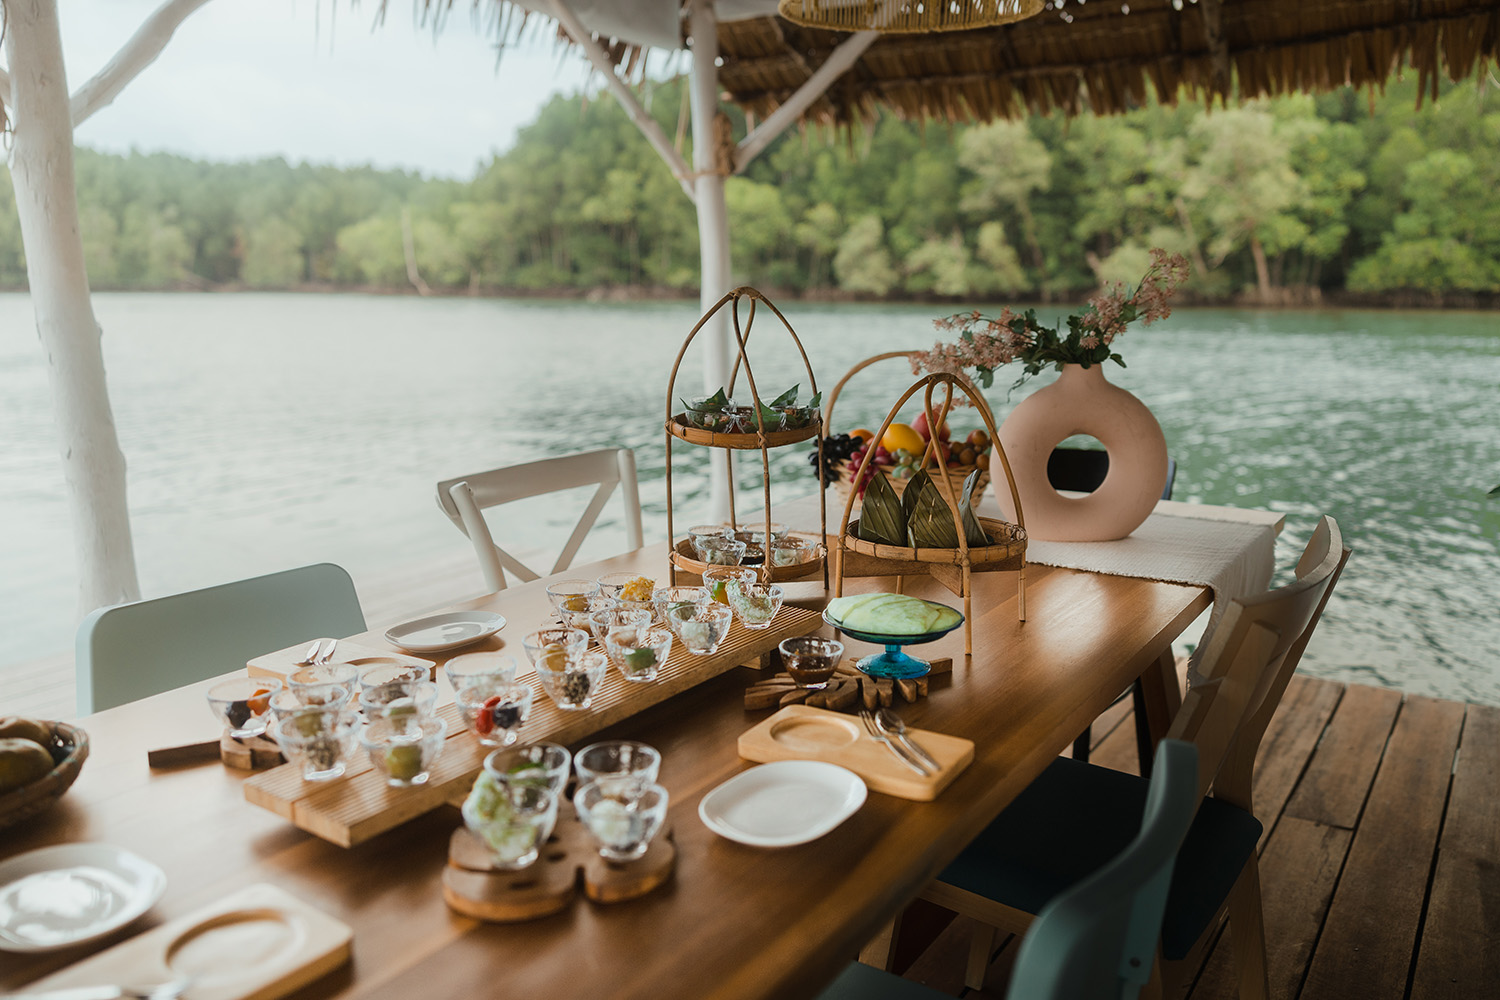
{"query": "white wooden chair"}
pixel 465 498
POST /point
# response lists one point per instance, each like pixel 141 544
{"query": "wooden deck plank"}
pixel 1457 958
pixel 1285 752
pixel 1333 789
pixel 1298 869
pixel 1367 943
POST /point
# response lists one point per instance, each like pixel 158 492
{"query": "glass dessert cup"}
pixel 754 535
pixel 794 551
pixel 700 531
pixel 715 578
pixel 811 661
pixel 601 623
pixel 399 701
pixel 624 765
pixel 404 749
pixel 314 696
pixel 719 551
pixel 638 653
pixel 626 587
pixel 243 704
pixel 666 597
pixel 755 604
pixel 513 820
pixel 386 673
pixel 571 679
pixel 544 764
pixel 571 596
pixel 554 642
pixel 495 714
pixel 709 414
pixel 701 629
pixel 623 820
pixel 320 675
pixel 319 741
pixel 494 669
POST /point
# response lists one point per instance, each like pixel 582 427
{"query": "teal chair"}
pixel 1098 939
pixel 131 651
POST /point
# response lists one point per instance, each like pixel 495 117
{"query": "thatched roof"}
pixel 1078 56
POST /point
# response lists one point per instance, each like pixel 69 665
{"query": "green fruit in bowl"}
pixel 891 614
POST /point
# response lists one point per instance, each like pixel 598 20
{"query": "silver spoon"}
pixel 311 656
pixel 327 653
pixel 894 724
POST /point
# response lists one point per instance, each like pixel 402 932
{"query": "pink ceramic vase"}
pixel 1081 401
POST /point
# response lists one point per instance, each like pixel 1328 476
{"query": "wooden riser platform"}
pixel 1381 852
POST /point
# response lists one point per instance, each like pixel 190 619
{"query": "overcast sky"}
pixel 310 80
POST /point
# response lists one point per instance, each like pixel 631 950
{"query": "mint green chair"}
pixel 1098 939
pixel 131 651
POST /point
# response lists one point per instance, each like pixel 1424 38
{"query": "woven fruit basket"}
pixel 69 748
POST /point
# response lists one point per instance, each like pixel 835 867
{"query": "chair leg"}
pixel 1081 745
pixel 981 947
pixel 880 951
pixel 1247 931
pixel 1144 749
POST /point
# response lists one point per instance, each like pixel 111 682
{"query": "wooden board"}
pixel 474 887
pixel 255 944
pixel 285 662
pixel 1368 939
pixel 359 805
pixel 1458 959
pixel 798 732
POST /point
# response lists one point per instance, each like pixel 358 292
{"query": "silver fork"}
pixel 879 736
pixel 311 656
pixel 327 653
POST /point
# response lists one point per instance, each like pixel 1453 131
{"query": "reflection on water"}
pixel 265 431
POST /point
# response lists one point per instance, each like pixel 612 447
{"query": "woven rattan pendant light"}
pixel 907 16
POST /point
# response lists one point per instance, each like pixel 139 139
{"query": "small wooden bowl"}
pixel 69 748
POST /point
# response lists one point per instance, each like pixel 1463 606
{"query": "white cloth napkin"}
pixel 1231 551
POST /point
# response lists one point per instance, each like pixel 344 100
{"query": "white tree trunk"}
pixel 713 227
pixel 47 204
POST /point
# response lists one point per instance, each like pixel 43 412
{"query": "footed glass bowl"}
pixel 894 663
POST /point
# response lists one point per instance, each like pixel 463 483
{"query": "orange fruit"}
pixel 898 436
pixel 863 433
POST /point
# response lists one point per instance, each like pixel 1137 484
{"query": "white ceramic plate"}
pixel 59 896
pixel 450 630
pixel 784 803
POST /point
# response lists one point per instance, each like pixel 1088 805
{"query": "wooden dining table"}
pixel 735 921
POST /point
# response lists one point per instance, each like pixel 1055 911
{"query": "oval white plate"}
pixel 784 803
pixel 449 630
pixel 59 896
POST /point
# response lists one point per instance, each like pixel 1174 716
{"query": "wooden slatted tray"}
pixel 359 805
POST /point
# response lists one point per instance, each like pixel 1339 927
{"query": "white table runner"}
pixel 1229 550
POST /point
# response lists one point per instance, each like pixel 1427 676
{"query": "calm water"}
pixel 265 431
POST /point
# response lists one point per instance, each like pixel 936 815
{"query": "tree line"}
pixel 1274 201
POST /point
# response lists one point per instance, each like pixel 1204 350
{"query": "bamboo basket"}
pixel 954 567
pixel 847 470
pixel 69 749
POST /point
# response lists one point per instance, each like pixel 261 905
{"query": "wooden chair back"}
pixel 1097 940
pixel 465 498
pixel 1249 660
pixel 131 651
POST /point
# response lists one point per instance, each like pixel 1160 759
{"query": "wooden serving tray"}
pixel 474 887
pixel 798 732
pixel 285 662
pixel 255 944
pixel 359 805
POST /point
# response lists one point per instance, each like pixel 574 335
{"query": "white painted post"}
pixel 713 226
pixel 47 204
